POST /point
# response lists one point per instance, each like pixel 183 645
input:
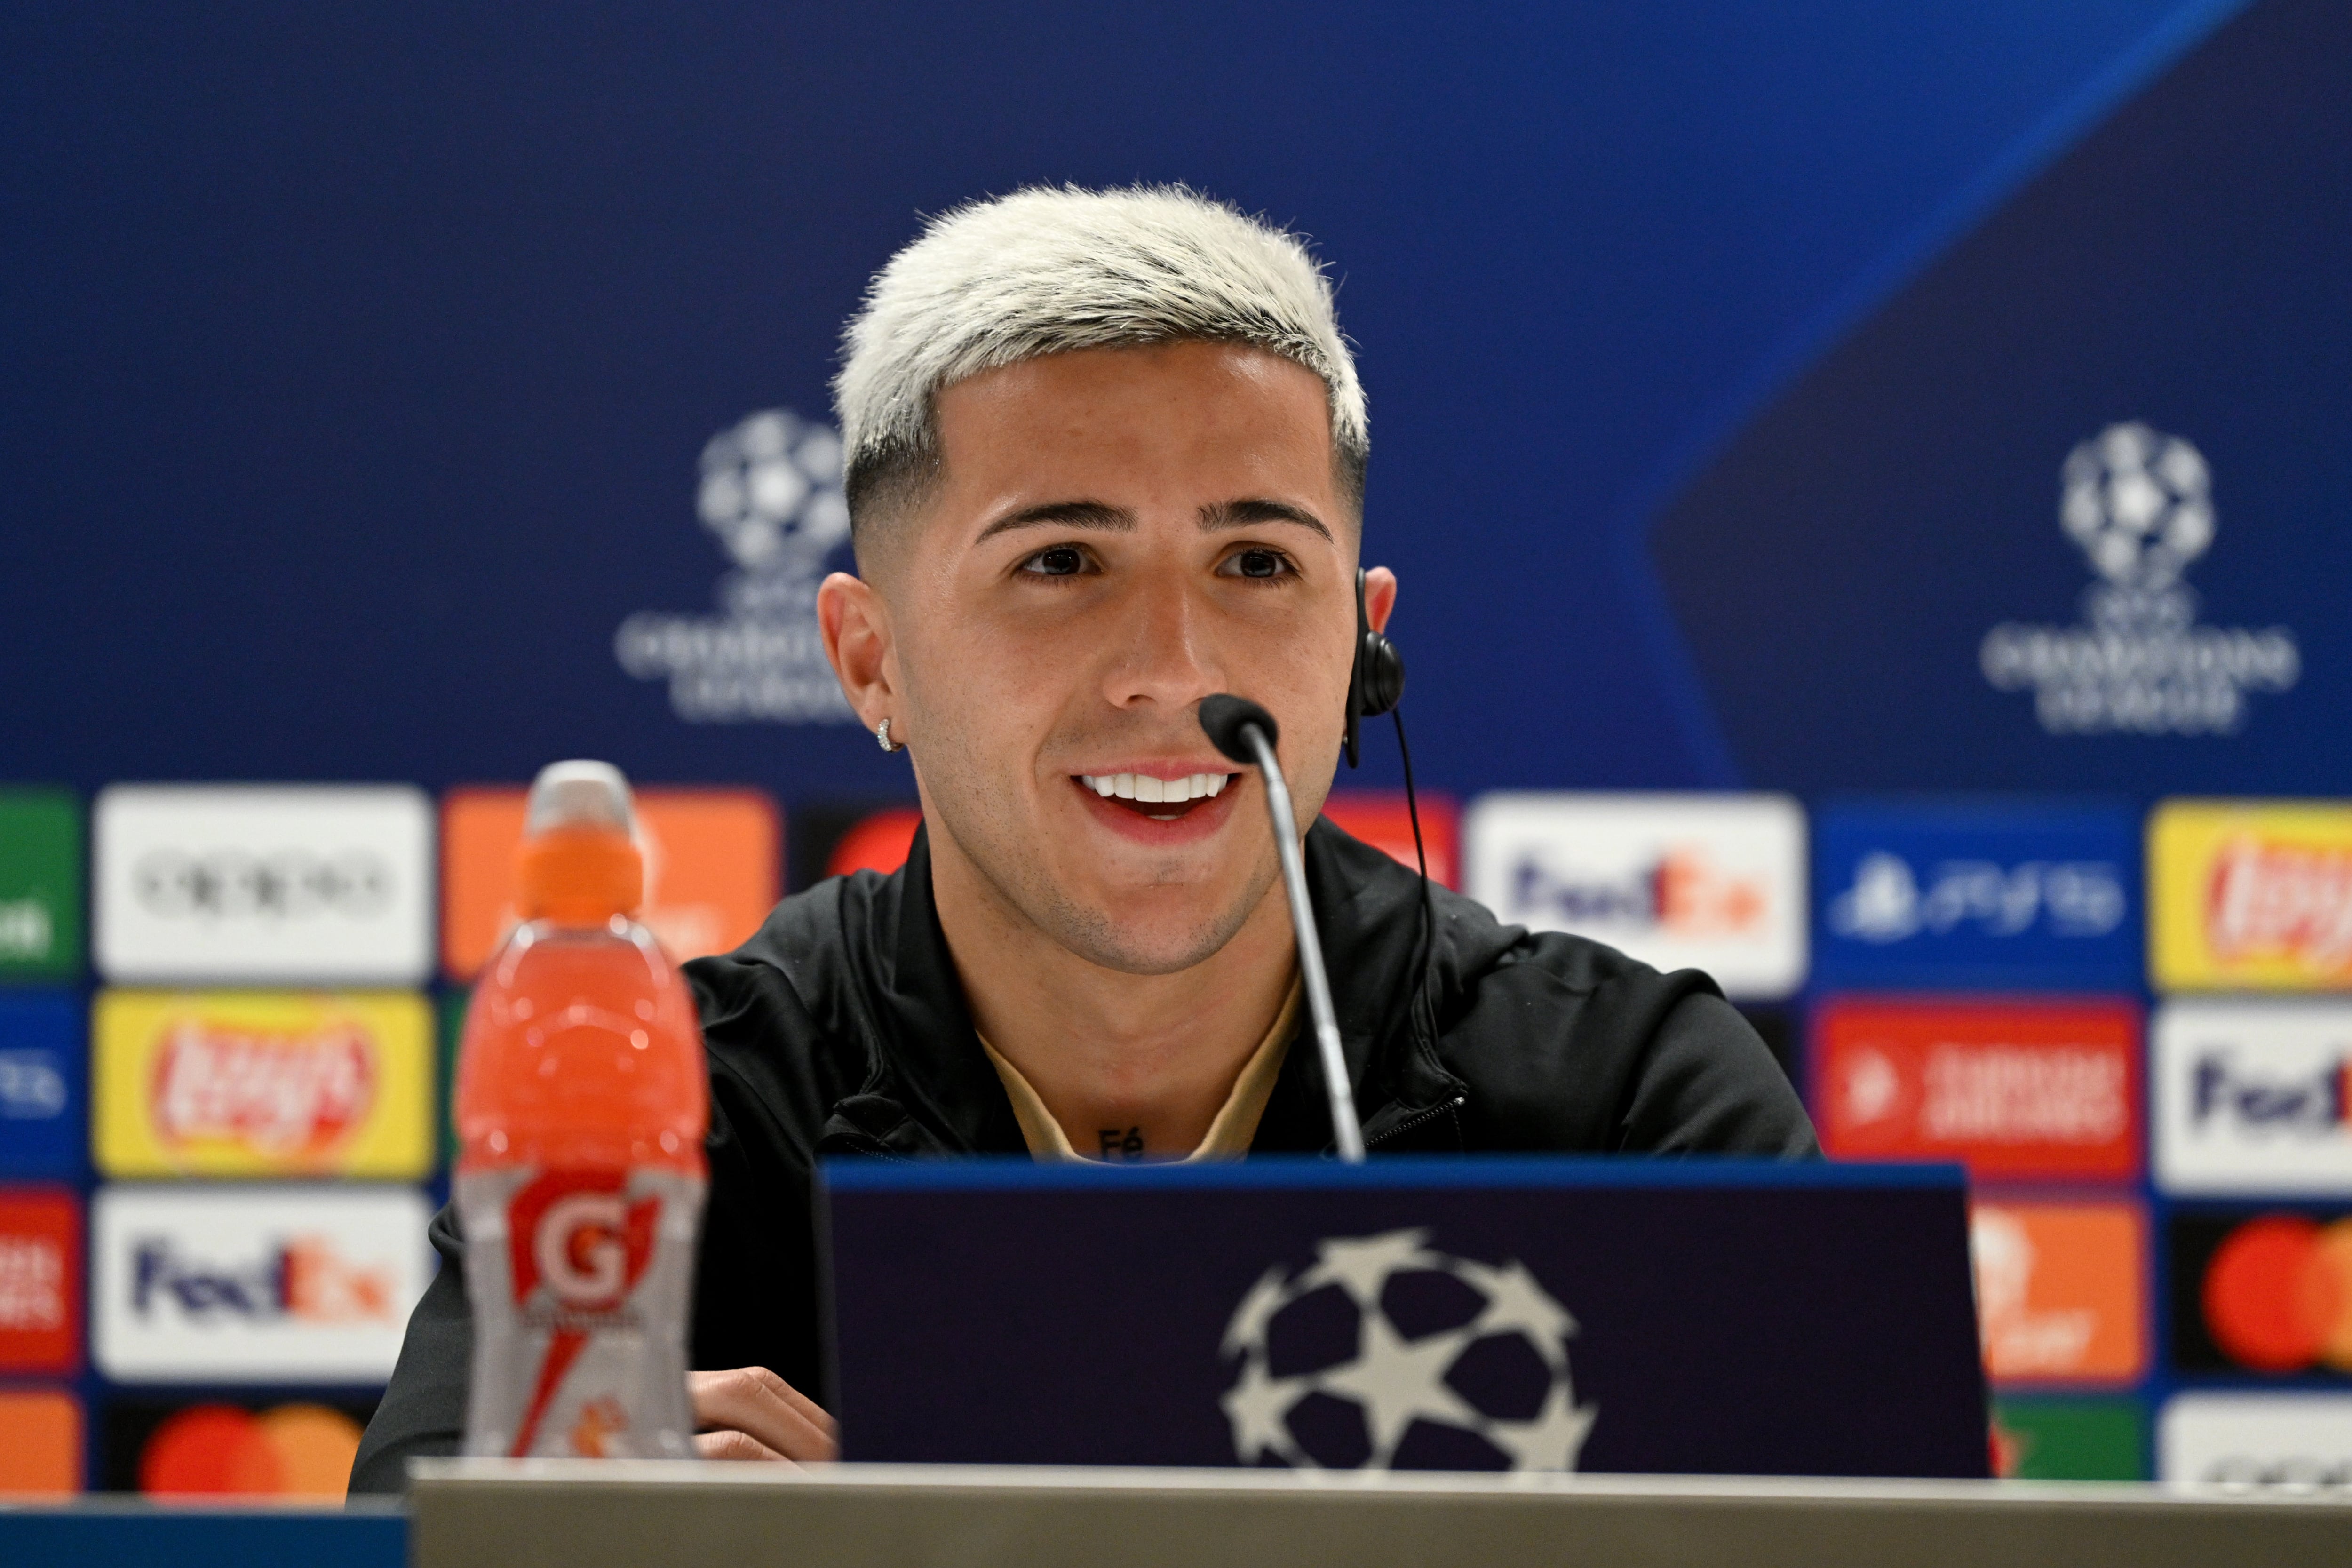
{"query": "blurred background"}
pixel 1870 485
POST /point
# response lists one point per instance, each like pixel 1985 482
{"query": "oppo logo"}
pixel 292 884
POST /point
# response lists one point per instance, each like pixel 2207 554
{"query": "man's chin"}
pixel 1149 928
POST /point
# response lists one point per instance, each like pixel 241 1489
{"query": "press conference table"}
pixel 546 1513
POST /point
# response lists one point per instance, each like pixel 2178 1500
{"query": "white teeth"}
pixel 1144 787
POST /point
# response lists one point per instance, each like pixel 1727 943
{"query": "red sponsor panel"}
pixel 40 1280
pixel 1381 820
pixel 2016 1089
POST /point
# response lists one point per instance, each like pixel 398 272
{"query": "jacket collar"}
pixel 929 1087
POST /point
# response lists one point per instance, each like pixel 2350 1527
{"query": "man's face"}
pixel 1120 532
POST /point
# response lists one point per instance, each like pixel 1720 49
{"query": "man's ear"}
pixel 855 625
pixel 1380 597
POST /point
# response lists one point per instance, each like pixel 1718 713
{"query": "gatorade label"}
pixel 581 1281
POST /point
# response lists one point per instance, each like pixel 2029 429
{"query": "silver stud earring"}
pixel 882 737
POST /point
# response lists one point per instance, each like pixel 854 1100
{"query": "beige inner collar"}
pixel 1229 1135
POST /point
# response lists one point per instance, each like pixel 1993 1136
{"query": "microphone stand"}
pixel 1246 732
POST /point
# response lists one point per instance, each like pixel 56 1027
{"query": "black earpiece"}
pixel 1377 681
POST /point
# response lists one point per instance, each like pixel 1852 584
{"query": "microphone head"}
pixel 1222 718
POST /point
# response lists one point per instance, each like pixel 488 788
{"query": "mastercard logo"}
pixel 2278 1294
pixel 211 1450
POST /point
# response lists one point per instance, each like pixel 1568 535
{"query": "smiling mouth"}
pixel 1158 799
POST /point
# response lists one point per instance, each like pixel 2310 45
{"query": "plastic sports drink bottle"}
pixel 581 1101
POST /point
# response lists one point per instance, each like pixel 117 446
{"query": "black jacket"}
pixel 840 1029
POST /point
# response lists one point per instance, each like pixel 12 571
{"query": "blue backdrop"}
pixel 358 358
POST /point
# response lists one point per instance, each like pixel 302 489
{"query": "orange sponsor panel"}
pixel 40 1443
pixel 2061 1290
pixel 880 842
pixel 711 862
pixel 1380 819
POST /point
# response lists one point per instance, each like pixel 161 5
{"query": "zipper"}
pixel 1419 1118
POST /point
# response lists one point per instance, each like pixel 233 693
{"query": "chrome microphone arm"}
pixel 1246 734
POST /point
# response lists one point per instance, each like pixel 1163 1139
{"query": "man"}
pixel 1106 457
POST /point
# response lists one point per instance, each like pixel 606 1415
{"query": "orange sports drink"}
pixel 580 1106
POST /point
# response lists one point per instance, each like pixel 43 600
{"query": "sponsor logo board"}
pixel 2069 1440
pixel 2025 1089
pixel 2252 1096
pixel 40 885
pixel 2061 1290
pixel 2268 1293
pixel 40 1280
pixel 40 1443
pixel 2139 504
pixel 712 858
pixel 43 1061
pixel 238 882
pixel 1714 883
pixel 299 1447
pixel 1931 894
pixel 2250 894
pixel 278 1284
pixel 263 1083
pixel 2292 1442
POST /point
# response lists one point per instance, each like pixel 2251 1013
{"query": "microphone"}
pixel 1246 732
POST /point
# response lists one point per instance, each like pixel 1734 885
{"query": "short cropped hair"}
pixel 1045 271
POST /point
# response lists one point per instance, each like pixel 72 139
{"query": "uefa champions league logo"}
pixel 770 495
pixel 2139 504
pixel 1384 1353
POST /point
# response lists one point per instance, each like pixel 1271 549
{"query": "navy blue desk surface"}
pixel 107 1532
pixel 1716 1316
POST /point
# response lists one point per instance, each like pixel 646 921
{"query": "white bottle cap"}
pixel 580 794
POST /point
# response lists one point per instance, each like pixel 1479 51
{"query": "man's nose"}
pixel 1163 659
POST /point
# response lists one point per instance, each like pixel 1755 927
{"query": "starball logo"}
pixel 283 1095
pixel 770 495
pixel 2139 503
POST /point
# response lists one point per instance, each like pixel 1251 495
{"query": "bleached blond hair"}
pixel 1047 270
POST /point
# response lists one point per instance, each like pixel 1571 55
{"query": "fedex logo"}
pixel 265 1284
pixel 1714 883
pixel 305 1279
pixel 1934 894
pixel 2252 1096
pixel 2314 1102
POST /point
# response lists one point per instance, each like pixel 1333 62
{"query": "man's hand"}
pixel 749 1413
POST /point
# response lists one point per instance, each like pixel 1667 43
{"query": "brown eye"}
pixel 1258 563
pixel 1061 560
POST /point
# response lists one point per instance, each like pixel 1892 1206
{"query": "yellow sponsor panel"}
pixel 2249 895
pixel 262 1083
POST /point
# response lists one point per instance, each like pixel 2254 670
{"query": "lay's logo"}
pixel 2249 895
pixel 263 1084
pixel 291 1095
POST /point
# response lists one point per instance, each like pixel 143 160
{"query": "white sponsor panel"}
pixel 1683 881
pixel 248 882
pixel 2300 1442
pixel 2251 1097
pixel 261 1284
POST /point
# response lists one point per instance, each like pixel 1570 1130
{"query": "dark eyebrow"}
pixel 1242 513
pixel 1092 514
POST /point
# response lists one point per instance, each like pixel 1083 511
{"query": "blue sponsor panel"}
pixel 44 1083
pixel 1970 894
